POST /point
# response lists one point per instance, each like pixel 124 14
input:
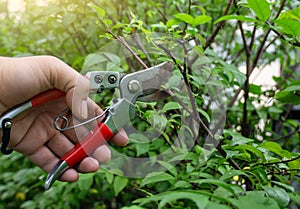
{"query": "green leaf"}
pixel 213 205
pixel 68 19
pixel 109 177
pixel 155 177
pixel 251 149
pixel 290 95
pixel 237 138
pixel 86 181
pixel 216 182
pixel 275 148
pixel 202 19
pixel 199 198
pixel 185 18
pixel 100 11
pixel 278 194
pixel 235 17
pixel 182 185
pixel 289 26
pixel 255 200
pixel 261 175
pixel 120 183
pixel 171 106
pixel 255 89
pixel 133 207
pixel 239 77
pixel 261 8
pixel 170 167
pixel 291 14
pixel 285 186
pixel 294 166
pixel 141 148
pixel 229 174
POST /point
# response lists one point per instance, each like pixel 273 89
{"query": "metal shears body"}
pixel 145 84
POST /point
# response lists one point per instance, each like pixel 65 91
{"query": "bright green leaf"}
pixel 237 138
pixel 289 26
pixel 185 18
pixel 202 19
pixel 261 8
pixel 171 106
pixel 236 17
pixel 120 183
pixel 291 14
pixel 275 148
pixel 100 11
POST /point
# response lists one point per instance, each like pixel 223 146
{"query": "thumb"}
pixel 76 86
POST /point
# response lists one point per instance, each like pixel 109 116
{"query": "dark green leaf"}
pixel 171 197
pixel 278 194
pixel 285 186
pixel 255 200
pixel 216 182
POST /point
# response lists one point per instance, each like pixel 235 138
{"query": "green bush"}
pixel 240 140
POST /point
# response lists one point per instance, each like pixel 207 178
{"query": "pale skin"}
pixel 33 133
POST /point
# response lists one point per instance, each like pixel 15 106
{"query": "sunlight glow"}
pixel 19 5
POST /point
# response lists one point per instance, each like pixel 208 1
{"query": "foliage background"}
pixel 256 161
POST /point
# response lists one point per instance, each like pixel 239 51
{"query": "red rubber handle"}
pixel 47 96
pixel 94 139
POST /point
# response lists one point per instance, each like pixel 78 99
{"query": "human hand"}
pixel 33 134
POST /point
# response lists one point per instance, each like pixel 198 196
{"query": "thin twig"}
pixel 279 162
pixel 122 41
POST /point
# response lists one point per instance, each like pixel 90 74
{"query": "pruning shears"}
pixel 145 85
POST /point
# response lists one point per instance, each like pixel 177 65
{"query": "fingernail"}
pixel 84 109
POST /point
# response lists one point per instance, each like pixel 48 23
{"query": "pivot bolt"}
pixel 112 79
pixel 134 86
pixel 98 79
